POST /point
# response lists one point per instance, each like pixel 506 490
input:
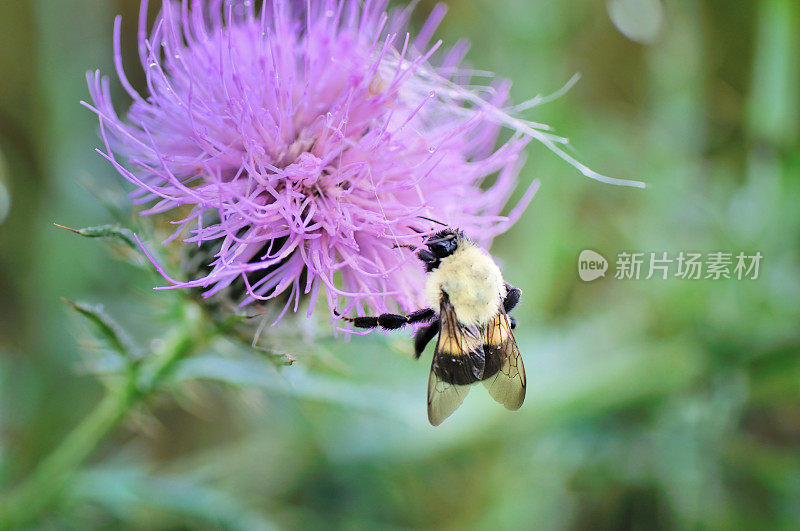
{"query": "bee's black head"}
pixel 444 243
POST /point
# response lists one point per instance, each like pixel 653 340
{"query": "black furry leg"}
pixel 424 336
pixel 512 297
pixel 391 321
pixel 512 322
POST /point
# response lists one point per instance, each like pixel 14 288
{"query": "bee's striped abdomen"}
pixel 460 370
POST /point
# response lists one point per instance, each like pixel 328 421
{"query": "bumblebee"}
pixel 468 306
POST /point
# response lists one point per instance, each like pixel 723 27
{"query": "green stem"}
pixel 39 490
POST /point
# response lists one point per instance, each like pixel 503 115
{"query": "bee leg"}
pixel 426 256
pixel 424 336
pixel 391 321
pixel 512 297
pixel 512 322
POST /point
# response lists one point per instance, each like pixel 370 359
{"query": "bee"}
pixel 468 305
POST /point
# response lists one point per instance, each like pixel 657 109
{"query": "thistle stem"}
pixel 39 490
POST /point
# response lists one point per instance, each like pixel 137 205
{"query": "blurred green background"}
pixel 651 403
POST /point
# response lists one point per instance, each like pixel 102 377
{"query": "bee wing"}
pixel 443 398
pixel 505 374
pixel 457 362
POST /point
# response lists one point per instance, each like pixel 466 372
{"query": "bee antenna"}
pixel 433 220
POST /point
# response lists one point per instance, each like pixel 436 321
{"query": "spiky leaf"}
pixel 106 329
pixel 114 232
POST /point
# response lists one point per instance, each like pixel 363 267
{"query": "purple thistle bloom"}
pixel 306 138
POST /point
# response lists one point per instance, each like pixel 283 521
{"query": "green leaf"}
pixel 114 232
pixel 106 329
pixel 253 372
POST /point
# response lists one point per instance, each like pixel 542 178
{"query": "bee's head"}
pixel 445 242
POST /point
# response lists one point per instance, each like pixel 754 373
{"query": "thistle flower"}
pixel 306 139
